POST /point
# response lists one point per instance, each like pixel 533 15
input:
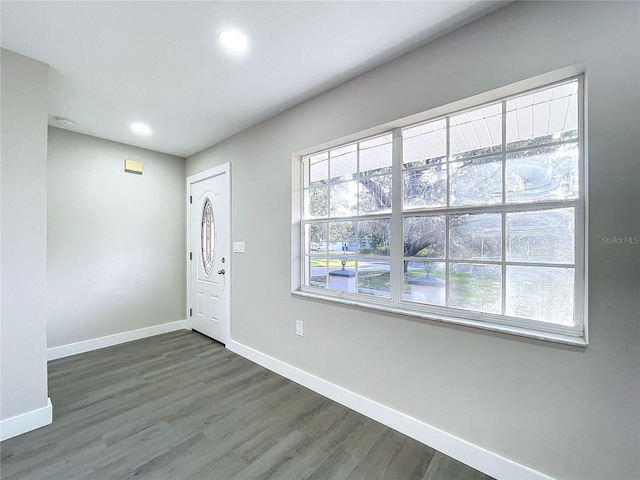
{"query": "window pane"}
pixel 424 282
pixel 476 287
pixel 541 117
pixel 476 236
pixel 319 167
pixel 344 162
pixel 425 141
pixel 316 272
pixel 384 139
pixel 344 199
pixel 342 238
pixel 374 278
pixel 424 236
pixel 425 187
pixel 541 293
pixel 316 238
pixel 375 194
pixel 541 236
pixel 546 173
pixel 342 274
pixel 476 182
pixel 376 155
pixel 477 132
pixel 374 237
pixel 316 202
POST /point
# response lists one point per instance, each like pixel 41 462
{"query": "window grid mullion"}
pixel 509 208
pixel 503 287
pixel 447 236
pixel 304 271
pixel 356 247
pixel 557 143
pixel 396 266
pixel 447 249
pixel 328 186
pixel 447 161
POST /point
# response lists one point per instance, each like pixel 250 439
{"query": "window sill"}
pixel 512 330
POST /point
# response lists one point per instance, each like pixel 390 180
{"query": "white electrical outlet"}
pixel 299 328
pixel 238 247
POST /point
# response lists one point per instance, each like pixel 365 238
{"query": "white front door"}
pixel 209 261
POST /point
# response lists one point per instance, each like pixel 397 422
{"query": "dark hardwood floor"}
pixel 180 406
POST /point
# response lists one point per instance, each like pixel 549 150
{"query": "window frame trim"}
pixel 575 336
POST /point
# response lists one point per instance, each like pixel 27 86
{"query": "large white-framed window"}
pixel 475 217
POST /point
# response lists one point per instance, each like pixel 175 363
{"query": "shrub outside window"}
pixel 475 217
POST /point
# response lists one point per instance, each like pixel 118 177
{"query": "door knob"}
pixel 221 272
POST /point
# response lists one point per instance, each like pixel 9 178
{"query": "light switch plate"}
pixel 238 247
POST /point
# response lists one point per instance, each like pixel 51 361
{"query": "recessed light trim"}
pixel 233 40
pixel 141 128
pixel 63 122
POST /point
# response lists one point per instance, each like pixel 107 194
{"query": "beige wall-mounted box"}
pixel 133 166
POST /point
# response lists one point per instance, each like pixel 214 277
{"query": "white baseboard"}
pixel 62 351
pixel 25 422
pixel 468 453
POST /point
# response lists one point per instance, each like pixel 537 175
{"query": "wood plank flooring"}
pixel 180 406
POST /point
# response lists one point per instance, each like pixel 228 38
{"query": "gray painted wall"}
pixel 569 412
pixel 116 240
pixel 23 324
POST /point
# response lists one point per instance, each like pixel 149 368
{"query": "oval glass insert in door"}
pixel 207 236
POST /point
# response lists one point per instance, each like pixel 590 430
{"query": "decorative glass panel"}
pixel 207 237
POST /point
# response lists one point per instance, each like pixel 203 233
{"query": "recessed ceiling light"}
pixel 233 40
pixel 63 122
pixel 141 129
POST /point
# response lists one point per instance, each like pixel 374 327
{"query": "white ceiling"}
pixel 158 62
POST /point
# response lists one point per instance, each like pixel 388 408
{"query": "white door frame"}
pixel 224 169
